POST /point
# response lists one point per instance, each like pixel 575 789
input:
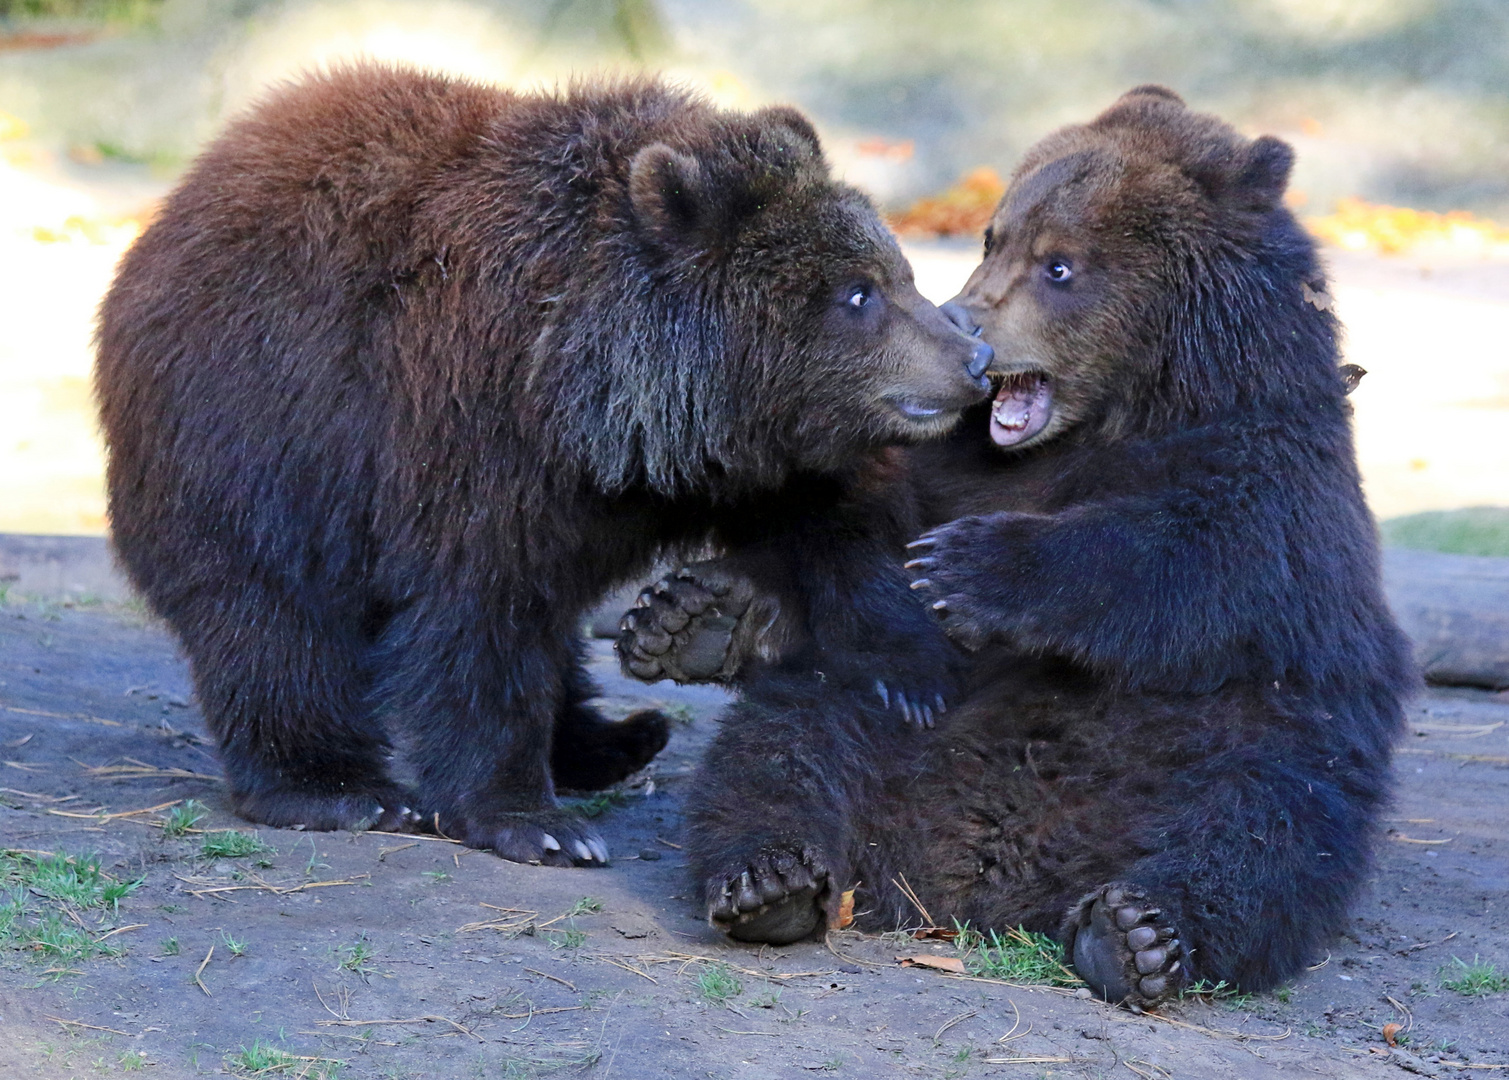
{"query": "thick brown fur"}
pixel 408 371
pixel 1175 743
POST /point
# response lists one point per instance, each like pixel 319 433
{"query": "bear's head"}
pixel 782 319
pixel 1141 272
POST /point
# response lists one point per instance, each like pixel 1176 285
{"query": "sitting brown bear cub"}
pixel 1175 741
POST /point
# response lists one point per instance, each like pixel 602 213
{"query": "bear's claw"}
pixel 548 837
pixel 1125 949
pixel 382 808
pixel 776 898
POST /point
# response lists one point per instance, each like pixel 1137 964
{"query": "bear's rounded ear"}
pixel 1265 173
pixel 668 192
pixel 1152 90
pixel 798 132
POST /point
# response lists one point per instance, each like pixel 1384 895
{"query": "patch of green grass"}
pixel 53 931
pixel 1476 979
pixel 718 984
pixel 1019 956
pixel 598 803
pixel 47 936
pixel 569 938
pixel 587 905
pixel 184 817
pixel 264 1059
pixel 680 712
pixel 356 956
pixel 435 877
pixel 233 946
pixel 231 844
pixel 1477 530
pixel 766 1001
pixel 76 880
pixel 527 1068
pixel 1221 991
pixel 132 1060
pixel 1284 993
pixel 170 946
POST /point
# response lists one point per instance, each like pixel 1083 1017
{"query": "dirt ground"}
pixel 398 957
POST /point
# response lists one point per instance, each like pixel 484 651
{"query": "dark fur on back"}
pixel 408 371
pixel 1188 682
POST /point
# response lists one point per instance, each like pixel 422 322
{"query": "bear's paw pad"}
pixel 776 899
pixel 682 627
pixel 1126 950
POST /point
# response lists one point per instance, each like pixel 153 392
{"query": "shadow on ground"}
pixel 403 957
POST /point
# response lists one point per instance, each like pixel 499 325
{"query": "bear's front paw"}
pixel 776 898
pixel 683 628
pixel 945 562
pixel 920 704
pixel 547 837
pixel 1125 948
pixel 382 808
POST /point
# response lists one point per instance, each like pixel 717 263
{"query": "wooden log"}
pixel 1455 608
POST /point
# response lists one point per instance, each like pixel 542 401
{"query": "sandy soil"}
pixel 366 950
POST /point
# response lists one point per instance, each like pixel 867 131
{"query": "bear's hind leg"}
pixel 589 752
pixel 769 814
pixel 283 689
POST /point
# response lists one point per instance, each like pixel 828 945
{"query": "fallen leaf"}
pixel 939 963
pixel 934 933
pixel 1390 1033
pixel 845 917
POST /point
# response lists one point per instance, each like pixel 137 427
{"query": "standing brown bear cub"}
pixel 1173 746
pixel 408 371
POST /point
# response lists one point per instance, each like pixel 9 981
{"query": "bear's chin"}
pixel 1022 408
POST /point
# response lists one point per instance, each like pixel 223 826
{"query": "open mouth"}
pixel 1022 407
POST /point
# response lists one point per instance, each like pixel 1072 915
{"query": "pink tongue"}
pixel 1020 410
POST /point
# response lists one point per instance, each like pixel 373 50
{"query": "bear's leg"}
pixel 479 692
pixel 284 691
pixel 589 752
pixel 769 812
pixel 1255 858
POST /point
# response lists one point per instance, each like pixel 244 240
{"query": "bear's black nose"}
pixel 980 357
pixel 959 317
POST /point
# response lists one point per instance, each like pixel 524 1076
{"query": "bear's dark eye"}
pixel 859 297
pixel 990 239
pixel 1058 271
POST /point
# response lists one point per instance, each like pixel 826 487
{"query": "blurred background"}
pixel 1396 107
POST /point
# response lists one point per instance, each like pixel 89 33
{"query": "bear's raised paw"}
pixel 683 628
pixel 1125 949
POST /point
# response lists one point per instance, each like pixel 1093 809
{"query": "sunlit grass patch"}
pixel 1476 530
